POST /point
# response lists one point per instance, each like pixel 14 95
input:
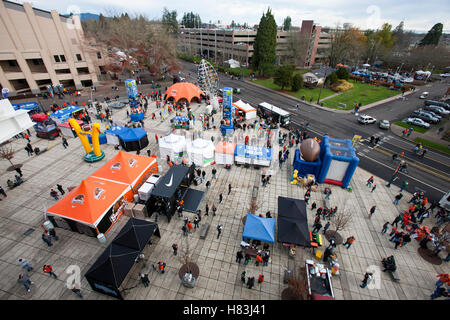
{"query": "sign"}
pixel 5 92
pixel 356 139
pixel 131 88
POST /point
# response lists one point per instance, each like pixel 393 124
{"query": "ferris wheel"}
pixel 208 80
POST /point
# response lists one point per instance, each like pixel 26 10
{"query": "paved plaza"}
pixel 219 273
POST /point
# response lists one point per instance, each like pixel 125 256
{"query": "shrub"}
pixel 341 86
pixel 342 73
pixel 331 79
pixel 297 83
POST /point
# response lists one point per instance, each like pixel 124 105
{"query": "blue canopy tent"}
pixel 133 139
pixel 253 154
pixel 258 228
pixel 64 114
pixel 112 134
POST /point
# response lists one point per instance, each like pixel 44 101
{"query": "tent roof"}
pixel 66 112
pixel 200 144
pixel 225 147
pixel 292 222
pixel 183 90
pixel 253 152
pixel 116 130
pixel 241 105
pixel 136 234
pixel 132 134
pixel 113 265
pixel 259 228
pixel 124 168
pixel 167 185
pixel 88 202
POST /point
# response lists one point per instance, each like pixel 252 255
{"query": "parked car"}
pixel 424 95
pixel 365 119
pixel 437 103
pixel 418 122
pixel 424 116
pixel 438 110
pixel 432 113
pixel 445 75
pixel 384 124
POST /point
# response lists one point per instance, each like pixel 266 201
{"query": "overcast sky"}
pixel 419 15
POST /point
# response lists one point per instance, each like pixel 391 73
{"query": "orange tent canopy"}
pixel 183 90
pixel 89 201
pixel 126 168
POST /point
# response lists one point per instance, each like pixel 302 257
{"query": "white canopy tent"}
pixel 233 63
pixel 173 146
pixel 12 121
pixel 200 152
pixel 249 111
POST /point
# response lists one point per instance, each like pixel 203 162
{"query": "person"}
pixel 229 188
pixel 373 188
pixel 219 230
pixel 48 269
pixel 258 260
pixel 349 241
pixel 268 215
pixel 266 258
pixel 214 209
pixel 327 225
pixel 64 143
pixel 394 157
pixel 313 206
pixel 444 278
pixel 60 189
pixel 185 231
pixel 77 291
pixel 214 171
pixel 19 171
pixel 398 242
pixel 425 215
pixel 367 276
pixel 2 191
pixel 389 264
pixel 189 226
pixel 161 266
pixel 10 184
pixel 439 292
pixel 370 181
pixel 372 211
pixel 24 264
pixel 398 198
pixel 52 233
pixel 243 276
pixel 203 175
pixel 250 282
pixel 46 238
pixel 175 249
pixel 25 280
pixel 317 226
pixel 208 184
pixel 260 278
pixel 385 227
pixel 239 256
pixel 327 193
pixel 54 194
pixel 220 198
pixel 196 221
pixel 404 185
pixel 144 279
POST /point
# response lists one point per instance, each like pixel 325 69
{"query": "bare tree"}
pixel 7 153
pixel 298 284
pixel 253 207
pixel 340 221
pixel 297 47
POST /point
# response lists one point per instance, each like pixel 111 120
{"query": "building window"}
pixel 56 58
pixel 99 55
pixel 63 59
pixel 13 63
pixel 79 57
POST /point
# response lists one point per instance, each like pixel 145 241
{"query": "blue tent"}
pixel 28 106
pixel 133 139
pixel 117 130
pixel 65 113
pixel 253 152
pixel 258 228
pixel 178 118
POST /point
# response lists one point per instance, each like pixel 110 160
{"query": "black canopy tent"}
pixel 292 222
pixel 107 274
pixel 169 188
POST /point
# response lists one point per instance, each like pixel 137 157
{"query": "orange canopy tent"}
pixel 224 152
pixel 183 90
pixel 127 168
pixel 91 208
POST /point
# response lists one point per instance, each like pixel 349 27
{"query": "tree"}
pixel 297 286
pixel 379 42
pixel 233 24
pixel 296 49
pixel 433 36
pixel 342 73
pixel 7 153
pixel 191 20
pixel 287 24
pixel 340 221
pixel 283 76
pixel 297 82
pixel 264 48
pixel 332 78
pixel 347 46
pixel 169 19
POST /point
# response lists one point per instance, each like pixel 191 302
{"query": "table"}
pixel 251 252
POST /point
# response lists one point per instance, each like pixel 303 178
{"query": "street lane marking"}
pixel 420 181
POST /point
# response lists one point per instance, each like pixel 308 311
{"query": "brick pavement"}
pixel 219 274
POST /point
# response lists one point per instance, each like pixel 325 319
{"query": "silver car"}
pixel 384 124
pixel 418 122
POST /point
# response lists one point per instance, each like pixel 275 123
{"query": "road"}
pixel 429 174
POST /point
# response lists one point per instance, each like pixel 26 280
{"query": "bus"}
pixel 272 113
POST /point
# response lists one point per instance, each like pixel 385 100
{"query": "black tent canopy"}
pixel 292 222
pixel 167 186
pixel 107 274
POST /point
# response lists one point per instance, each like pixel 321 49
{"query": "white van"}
pixel 445 201
pixel 424 95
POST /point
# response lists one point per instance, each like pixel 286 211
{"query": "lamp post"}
pixel 323 84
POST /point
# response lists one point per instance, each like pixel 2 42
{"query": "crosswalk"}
pixel 364 147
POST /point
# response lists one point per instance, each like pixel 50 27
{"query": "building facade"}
pixel 222 44
pixel 40 48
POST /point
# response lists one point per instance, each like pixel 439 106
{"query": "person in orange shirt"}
pixel 261 278
pixel 258 260
pixel 349 241
pixel 444 278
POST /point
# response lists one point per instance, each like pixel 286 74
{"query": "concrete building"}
pixel 223 44
pixel 40 48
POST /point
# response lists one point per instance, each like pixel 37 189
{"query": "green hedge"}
pixel 433 145
pixel 407 126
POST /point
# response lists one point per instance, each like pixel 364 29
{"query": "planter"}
pixel 189 268
pixel 337 237
pixel 13 167
pixel 428 255
pixel 289 294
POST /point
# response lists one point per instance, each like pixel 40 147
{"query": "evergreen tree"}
pixel 283 76
pixel 297 82
pixel 342 73
pixel 233 24
pixel 264 48
pixel 287 24
pixel 169 20
pixel 433 36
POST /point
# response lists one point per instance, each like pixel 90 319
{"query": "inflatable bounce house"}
pixel 306 159
pixel 226 126
pixel 137 113
pixel 339 161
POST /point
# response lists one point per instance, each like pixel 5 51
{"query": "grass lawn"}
pixel 308 93
pixel 433 145
pixel 407 126
pixel 361 93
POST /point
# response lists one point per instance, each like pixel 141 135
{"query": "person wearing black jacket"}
pixel 239 256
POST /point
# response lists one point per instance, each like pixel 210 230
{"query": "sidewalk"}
pixel 429 135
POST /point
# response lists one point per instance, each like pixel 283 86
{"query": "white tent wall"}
pixel 200 152
pixel 172 146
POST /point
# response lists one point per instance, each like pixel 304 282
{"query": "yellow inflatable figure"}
pixel 93 153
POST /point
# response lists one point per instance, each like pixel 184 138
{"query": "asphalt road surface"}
pixel 429 174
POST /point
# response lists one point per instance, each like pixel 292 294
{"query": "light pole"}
pixel 323 84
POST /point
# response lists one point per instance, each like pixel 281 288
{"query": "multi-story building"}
pixel 224 44
pixel 40 48
pixel 221 44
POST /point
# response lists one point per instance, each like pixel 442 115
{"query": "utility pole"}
pixel 323 84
